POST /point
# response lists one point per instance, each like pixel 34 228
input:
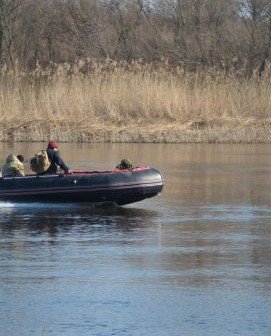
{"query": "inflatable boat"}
pixel 116 186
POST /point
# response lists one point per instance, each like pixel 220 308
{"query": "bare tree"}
pixel 9 10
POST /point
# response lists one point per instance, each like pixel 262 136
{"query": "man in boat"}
pixel 55 159
pixel 124 164
pixel 13 166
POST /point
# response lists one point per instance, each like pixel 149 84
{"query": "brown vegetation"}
pixel 133 102
pixel 135 70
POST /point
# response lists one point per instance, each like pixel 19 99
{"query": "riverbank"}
pixel 152 133
pixel 120 102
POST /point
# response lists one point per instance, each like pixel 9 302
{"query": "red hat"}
pixel 52 144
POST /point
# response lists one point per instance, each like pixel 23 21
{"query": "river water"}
pixel 193 261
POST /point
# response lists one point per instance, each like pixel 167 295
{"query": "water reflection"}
pixel 53 220
pixel 194 261
pixel 187 246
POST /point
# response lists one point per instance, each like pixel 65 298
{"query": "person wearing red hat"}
pixel 55 159
pixel 52 144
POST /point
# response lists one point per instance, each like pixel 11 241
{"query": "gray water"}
pixel 193 261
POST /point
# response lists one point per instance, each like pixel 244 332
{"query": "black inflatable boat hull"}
pixel 117 186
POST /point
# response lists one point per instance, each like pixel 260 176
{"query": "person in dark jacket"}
pixel 55 159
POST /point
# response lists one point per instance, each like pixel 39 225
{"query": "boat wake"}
pixel 6 205
pixel 36 206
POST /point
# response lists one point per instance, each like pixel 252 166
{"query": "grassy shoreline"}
pixel 120 102
pixel 154 133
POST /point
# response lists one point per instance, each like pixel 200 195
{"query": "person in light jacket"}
pixel 13 166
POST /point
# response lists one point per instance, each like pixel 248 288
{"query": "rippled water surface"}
pixel 193 261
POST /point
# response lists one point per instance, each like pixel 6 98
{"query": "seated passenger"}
pixel 124 164
pixel 13 166
pixel 55 159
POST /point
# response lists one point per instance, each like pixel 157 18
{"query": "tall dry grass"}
pixel 110 101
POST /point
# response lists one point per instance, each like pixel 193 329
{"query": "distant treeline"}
pixel 225 34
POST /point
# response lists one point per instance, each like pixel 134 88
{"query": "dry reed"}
pixel 136 102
